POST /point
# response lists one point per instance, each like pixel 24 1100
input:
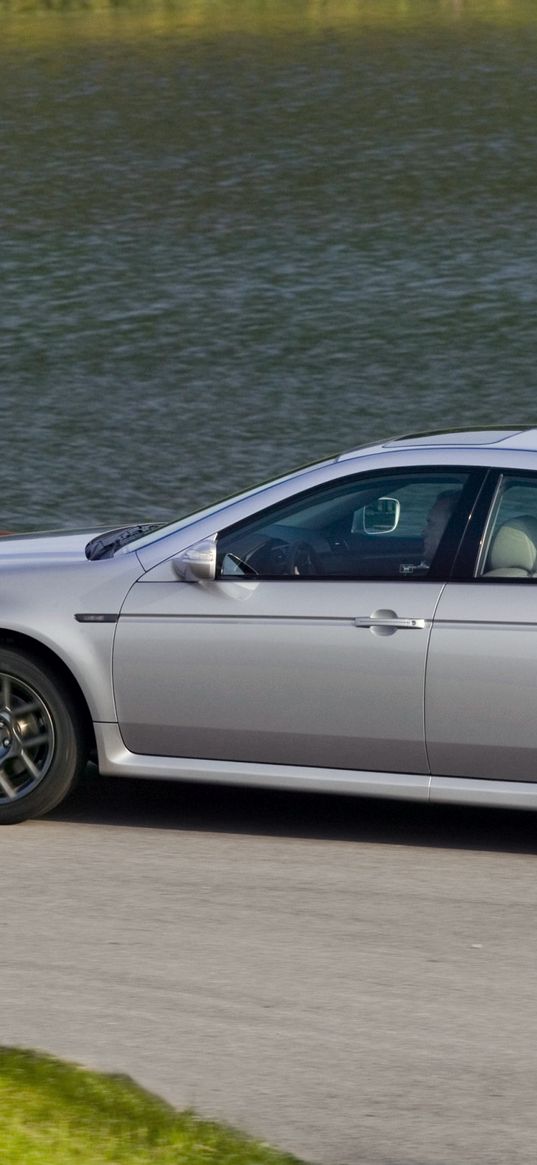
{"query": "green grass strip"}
pixel 52 1113
pixel 302 14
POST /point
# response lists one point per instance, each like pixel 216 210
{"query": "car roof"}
pixel 514 438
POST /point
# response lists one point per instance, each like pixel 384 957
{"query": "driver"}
pixel 437 520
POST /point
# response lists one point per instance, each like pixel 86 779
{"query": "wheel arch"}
pixel 48 658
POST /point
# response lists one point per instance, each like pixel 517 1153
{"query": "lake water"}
pixel 240 236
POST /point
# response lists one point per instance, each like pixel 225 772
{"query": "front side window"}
pixel 388 525
pixel 510 545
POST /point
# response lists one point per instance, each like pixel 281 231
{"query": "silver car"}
pixel 366 625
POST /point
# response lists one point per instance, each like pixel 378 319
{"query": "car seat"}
pixel 513 553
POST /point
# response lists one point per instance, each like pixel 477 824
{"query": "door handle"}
pixel 390 620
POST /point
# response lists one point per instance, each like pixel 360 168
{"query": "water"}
pixel 237 237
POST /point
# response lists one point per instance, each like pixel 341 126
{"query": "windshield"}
pixel 196 515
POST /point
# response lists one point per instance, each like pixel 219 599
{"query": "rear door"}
pixel 481 687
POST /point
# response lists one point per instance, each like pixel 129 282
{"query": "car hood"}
pixel 49 544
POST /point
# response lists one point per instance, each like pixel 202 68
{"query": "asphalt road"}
pixel 353 981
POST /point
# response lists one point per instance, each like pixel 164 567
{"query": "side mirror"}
pixel 382 516
pixel 198 562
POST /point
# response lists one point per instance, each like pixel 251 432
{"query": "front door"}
pixel 292 656
pixel 276 672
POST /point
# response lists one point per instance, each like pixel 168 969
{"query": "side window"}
pixel 510 546
pixel 368 526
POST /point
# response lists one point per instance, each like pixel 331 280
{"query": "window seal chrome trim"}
pixel 488 527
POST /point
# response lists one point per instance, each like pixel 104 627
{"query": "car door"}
pixel 303 650
pixel 481 690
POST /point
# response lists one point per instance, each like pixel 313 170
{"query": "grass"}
pixel 52 1113
pixel 309 15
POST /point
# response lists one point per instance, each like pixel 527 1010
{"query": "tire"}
pixel 42 740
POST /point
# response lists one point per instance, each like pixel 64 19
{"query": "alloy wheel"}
pixel 27 739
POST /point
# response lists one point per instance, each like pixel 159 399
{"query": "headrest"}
pixel 515 545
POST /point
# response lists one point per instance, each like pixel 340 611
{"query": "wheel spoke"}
pixel 6 785
pixel 32 768
pixel 33 741
pixel 23 709
pixel 6 691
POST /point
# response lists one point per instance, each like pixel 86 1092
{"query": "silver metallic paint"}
pixel 481 683
pixel 40 594
pixel 481 691
pixel 118 762
pixel 274 671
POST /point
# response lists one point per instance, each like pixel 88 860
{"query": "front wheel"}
pixel 41 738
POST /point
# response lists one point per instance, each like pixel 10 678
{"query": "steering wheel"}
pixel 294 558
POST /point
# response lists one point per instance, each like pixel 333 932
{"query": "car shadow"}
pixel 210 808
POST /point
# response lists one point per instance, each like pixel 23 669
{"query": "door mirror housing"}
pixel 198 562
pixel 382 516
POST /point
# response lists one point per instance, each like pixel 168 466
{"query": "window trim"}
pixel 475 544
pixel 444 560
